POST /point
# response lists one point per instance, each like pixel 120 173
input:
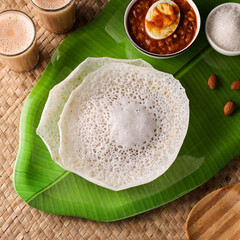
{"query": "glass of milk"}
pixel 18 47
pixel 58 16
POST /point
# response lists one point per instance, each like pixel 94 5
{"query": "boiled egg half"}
pixel 162 19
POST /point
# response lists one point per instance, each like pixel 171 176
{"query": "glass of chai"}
pixel 18 46
pixel 58 16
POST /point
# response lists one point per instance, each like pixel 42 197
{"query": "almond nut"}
pixel 236 85
pixel 229 108
pixel 212 81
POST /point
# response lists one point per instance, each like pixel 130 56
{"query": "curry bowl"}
pixel 178 42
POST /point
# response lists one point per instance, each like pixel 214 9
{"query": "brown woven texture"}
pixel 18 220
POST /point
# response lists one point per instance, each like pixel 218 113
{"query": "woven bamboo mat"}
pixel 18 220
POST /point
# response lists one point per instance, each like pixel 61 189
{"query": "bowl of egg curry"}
pixel 162 29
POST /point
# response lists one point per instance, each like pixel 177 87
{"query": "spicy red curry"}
pixel 182 36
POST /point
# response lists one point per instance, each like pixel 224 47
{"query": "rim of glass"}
pixel 34 36
pixel 52 10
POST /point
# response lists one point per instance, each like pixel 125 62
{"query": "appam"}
pixel 58 96
pixel 123 126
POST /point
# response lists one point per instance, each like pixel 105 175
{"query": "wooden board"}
pixel 216 216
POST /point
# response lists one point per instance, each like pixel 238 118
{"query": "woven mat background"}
pixel 18 220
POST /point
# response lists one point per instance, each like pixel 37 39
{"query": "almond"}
pixel 236 85
pixel 229 108
pixel 212 81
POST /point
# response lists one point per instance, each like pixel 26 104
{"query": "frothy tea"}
pixel 18 41
pixel 51 4
pixel 57 16
pixel 16 33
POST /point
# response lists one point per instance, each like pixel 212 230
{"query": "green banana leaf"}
pixel 211 142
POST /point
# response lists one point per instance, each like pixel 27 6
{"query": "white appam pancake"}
pixel 58 96
pixel 123 126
